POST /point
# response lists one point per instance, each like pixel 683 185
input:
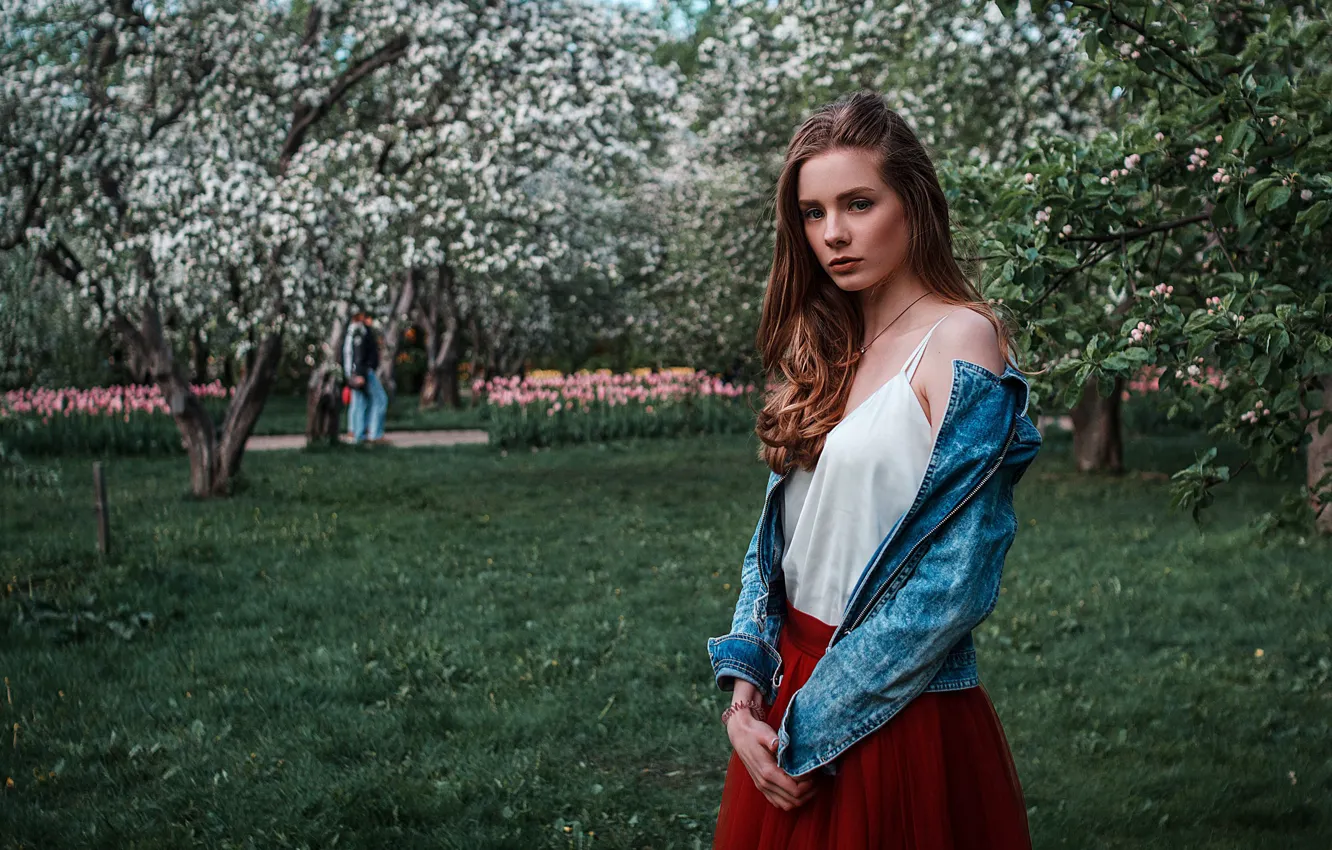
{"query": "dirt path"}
pixel 400 439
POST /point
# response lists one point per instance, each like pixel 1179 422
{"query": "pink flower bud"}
pixel 1218 140
pixel 1160 137
pixel 1306 195
pixel 1028 177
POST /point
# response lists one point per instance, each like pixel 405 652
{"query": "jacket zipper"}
pixel 902 564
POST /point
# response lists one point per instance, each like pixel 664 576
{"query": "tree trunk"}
pixel 1097 436
pixel 1319 462
pixel 402 307
pixel 214 458
pixel 323 396
pixel 440 383
pixel 244 410
pixel 440 321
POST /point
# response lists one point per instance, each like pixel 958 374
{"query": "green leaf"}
pixel 1261 367
pixel 1258 188
pixel 1277 198
pixel 1286 400
pixel 1091 45
pixel 1314 216
pixel 1116 362
pixel 1237 135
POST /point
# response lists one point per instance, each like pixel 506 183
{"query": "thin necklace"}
pixel 890 324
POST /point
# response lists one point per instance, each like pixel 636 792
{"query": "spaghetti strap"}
pixel 919 353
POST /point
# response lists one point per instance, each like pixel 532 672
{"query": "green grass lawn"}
pixel 488 651
pixel 285 414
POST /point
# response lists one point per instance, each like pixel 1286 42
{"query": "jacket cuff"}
pixel 742 656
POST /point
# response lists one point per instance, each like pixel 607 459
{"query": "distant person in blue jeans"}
pixel 369 402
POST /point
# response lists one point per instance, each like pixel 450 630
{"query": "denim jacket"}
pixel 907 625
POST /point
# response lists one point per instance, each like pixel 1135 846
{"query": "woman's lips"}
pixel 846 265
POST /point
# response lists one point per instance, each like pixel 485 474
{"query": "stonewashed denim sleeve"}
pixel 891 657
pixel 745 653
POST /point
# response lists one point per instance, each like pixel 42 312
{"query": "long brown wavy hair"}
pixel 809 331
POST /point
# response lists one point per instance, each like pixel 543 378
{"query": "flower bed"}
pixel 130 419
pixel 549 408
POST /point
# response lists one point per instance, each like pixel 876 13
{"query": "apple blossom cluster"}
pixel 1260 409
pixel 1197 159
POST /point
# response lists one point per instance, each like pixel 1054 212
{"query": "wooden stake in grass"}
pixel 101 509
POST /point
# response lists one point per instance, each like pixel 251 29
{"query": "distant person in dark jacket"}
pixel 369 402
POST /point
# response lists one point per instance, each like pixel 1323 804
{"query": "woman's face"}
pixel 854 222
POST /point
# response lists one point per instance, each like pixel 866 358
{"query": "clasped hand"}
pixel 756 744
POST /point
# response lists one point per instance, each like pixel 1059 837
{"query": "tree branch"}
pixel 1142 231
pixel 307 116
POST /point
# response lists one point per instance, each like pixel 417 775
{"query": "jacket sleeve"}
pixel 745 652
pixel 348 363
pixel 944 590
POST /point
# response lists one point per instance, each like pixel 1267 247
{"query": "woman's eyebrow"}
pixel 859 190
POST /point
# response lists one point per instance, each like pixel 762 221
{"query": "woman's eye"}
pixel 811 214
pixel 855 204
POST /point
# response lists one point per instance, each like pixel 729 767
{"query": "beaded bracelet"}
pixel 755 708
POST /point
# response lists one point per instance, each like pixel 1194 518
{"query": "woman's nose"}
pixel 834 232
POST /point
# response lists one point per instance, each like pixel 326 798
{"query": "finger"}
pixel 779 781
pixel 778 798
pixel 790 786
pixel 780 802
pixel 764 769
pixel 765 775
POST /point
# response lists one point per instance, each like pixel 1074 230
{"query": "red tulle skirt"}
pixel 938 776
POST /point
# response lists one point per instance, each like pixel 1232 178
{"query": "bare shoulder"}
pixel 966 335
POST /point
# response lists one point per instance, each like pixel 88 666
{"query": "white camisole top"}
pixel 834 518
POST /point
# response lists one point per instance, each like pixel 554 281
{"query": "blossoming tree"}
pixel 192 163
pixel 495 196
pixel 1198 227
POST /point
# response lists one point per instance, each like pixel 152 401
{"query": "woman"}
pixel 894 440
